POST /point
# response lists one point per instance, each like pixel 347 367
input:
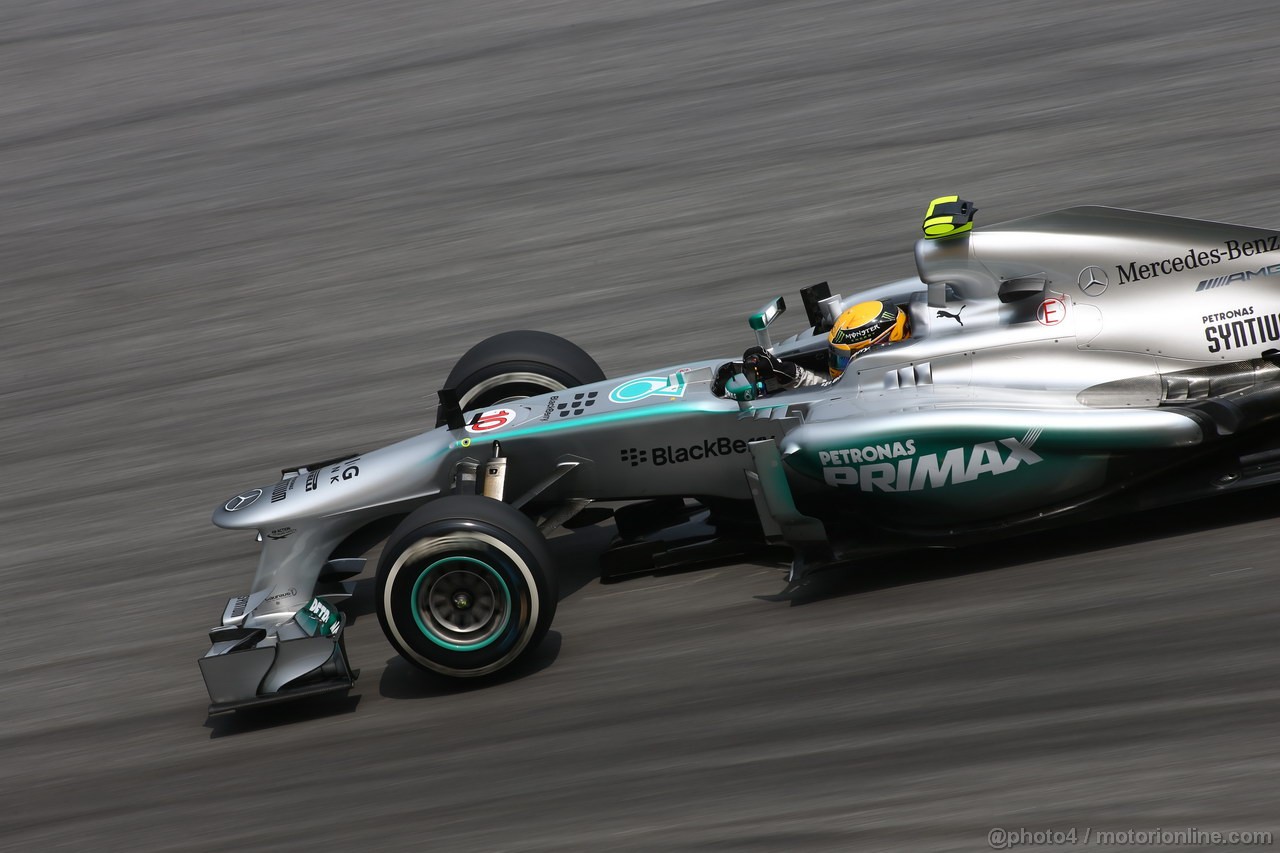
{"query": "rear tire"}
pixel 465 587
pixel 515 365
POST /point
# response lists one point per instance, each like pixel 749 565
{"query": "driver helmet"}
pixel 864 325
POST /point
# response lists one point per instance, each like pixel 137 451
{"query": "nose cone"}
pixel 242 501
pixel 408 470
pixel 245 510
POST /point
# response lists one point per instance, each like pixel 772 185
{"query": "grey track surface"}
pixel 239 235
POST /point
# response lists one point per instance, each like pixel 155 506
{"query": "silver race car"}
pixel 1082 362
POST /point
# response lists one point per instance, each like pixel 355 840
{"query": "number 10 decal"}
pixel 491 420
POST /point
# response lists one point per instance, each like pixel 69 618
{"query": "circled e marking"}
pixel 1051 312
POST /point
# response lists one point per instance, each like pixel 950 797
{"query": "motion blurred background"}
pixel 239 235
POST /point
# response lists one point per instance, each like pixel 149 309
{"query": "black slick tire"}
pixel 465 587
pixel 515 365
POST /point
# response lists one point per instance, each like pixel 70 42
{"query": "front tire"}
pixel 515 365
pixel 465 587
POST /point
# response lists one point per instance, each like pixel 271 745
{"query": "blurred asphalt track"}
pixel 243 234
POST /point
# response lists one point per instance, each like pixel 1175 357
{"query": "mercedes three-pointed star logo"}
pixel 242 500
pixel 1093 281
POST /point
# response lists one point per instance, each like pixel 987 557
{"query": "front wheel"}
pixel 465 587
pixel 515 365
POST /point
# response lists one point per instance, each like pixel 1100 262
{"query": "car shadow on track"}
pixel 577 558
pixel 400 680
pixel 283 714
pixel 928 564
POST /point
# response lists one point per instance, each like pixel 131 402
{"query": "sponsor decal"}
pixel 281 491
pixel 635 456
pixel 242 500
pixel 634 390
pixel 1234 313
pixel 345 470
pixel 870 332
pixel 668 454
pixel 1194 259
pixel 1239 328
pixel 280 533
pixel 895 467
pixel 1051 312
pixel 579 404
pixel 317 618
pixel 288 593
pixel 1093 281
pixel 491 420
pixel 1260 246
pixel 1190 261
pixel 242 601
pixel 870 453
pixel 955 316
pixel 551 407
pixel 1223 280
pixel 313 480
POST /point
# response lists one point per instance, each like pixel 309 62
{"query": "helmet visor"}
pixel 838 359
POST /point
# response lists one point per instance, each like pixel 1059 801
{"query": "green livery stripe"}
pixel 640 413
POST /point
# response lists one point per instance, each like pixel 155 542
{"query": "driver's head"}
pixel 864 325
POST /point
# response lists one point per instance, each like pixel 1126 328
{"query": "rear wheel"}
pixel 514 365
pixel 465 587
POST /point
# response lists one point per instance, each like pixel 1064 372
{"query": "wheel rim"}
pixel 543 384
pixel 461 603
pixel 408 627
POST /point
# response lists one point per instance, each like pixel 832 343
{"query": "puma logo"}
pixel 955 316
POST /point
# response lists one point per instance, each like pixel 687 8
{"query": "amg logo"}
pixel 958 465
pixel 1223 280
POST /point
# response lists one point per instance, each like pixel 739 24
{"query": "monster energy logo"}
pixel 935 470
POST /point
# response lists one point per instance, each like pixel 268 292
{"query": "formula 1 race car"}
pixel 1083 362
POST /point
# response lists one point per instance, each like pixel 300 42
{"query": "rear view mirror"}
pixel 760 321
